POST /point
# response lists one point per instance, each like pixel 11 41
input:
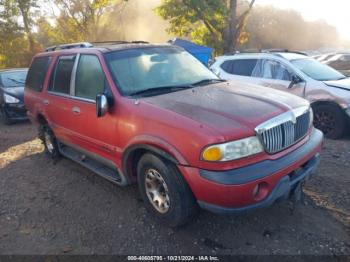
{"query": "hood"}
pixel 228 106
pixel 17 92
pixel 343 83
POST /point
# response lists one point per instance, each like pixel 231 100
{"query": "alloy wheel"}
pixel 157 191
pixel 325 121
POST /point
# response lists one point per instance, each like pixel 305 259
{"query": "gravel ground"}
pixel 57 208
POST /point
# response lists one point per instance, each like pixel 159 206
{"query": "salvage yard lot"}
pixel 59 207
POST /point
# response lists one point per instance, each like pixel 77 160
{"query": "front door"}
pixel 96 135
pixel 273 74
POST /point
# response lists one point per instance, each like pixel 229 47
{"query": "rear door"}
pixel 238 69
pixel 58 103
pixel 274 74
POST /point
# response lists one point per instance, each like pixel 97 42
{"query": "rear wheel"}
pixel 164 191
pixel 50 142
pixel 330 120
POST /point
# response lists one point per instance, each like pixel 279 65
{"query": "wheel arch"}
pixel 325 102
pixel 40 118
pixel 133 153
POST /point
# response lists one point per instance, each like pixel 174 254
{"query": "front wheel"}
pixel 330 120
pixel 164 191
pixel 4 117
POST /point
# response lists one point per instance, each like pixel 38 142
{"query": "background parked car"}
pixel 324 57
pixel 340 62
pixel 327 89
pixel 11 95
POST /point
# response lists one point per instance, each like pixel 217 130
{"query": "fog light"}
pixel 256 190
pixel 260 191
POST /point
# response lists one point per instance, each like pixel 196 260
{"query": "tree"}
pixel 25 7
pixel 16 45
pixel 218 23
pixel 85 17
pixel 270 27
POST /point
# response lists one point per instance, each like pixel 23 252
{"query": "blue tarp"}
pixel 202 53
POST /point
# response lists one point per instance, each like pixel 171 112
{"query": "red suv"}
pixel 153 114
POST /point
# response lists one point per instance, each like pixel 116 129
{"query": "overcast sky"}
pixel 335 12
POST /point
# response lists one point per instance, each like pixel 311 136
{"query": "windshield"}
pixel 13 79
pixel 136 70
pixel 317 70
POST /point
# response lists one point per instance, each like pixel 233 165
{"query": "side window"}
pixel 61 77
pixel 227 66
pixel 242 67
pixel 37 72
pixel 89 79
pixel 271 69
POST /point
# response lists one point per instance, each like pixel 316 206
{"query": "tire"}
pixel 4 117
pixel 330 119
pixel 178 203
pixel 49 140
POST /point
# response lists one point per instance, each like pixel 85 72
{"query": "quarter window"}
pixel 242 67
pixel 37 72
pixel 90 78
pixel 60 82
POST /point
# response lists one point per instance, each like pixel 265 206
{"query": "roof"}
pixel 292 56
pixel 103 47
pixel 286 55
pixel 13 69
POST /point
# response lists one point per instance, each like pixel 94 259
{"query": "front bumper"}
pixel 283 190
pixel 15 111
pixel 232 191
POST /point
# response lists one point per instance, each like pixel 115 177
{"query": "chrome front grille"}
pixel 284 130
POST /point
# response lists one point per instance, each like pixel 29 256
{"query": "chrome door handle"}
pixel 76 110
pixel 46 102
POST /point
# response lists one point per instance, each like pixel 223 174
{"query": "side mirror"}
pixel 101 105
pixel 295 80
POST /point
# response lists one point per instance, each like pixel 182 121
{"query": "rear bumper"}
pixel 232 191
pixel 16 111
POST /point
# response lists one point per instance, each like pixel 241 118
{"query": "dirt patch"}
pixel 56 208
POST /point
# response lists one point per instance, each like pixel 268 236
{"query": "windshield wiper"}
pixel 15 80
pixel 160 90
pixel 207 81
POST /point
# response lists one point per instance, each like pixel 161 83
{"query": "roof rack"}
pixel 282 51
pixel 92 44
pixel 69 46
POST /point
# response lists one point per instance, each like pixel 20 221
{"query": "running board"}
pixel 111 174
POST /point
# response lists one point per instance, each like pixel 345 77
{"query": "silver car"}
pixel 327 89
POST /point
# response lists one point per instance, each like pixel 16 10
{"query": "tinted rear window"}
pixel 243 67
pixel 36 74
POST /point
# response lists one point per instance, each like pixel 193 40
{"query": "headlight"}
pixel 10 99
pixel 233 150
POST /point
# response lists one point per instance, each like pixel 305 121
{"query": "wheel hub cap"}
pixel 325 122
pixel 157 191
pixel 48 142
